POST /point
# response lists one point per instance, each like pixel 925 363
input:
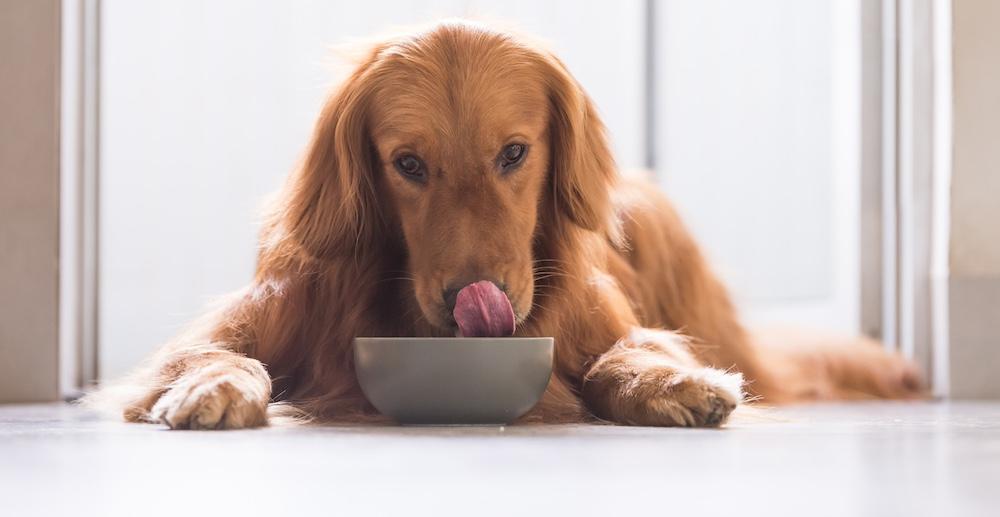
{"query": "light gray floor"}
pixel 860 459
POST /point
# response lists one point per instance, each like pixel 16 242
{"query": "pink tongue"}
pixel 482 310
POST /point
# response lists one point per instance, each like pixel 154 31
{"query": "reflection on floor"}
pixel 858 459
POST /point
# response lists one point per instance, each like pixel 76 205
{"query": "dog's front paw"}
pixel 650 378
pixel 702 397
pixel 219 397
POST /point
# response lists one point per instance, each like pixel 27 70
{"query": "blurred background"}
pixel 814 147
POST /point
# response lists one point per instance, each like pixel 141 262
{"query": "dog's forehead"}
pixel 488 94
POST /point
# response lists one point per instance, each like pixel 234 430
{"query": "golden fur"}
pixel 352 248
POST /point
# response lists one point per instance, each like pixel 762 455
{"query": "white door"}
pixel 757 141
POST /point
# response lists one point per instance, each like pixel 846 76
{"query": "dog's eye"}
pixel 410 167
pixel 511 155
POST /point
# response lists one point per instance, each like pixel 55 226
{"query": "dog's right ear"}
pixel 329 205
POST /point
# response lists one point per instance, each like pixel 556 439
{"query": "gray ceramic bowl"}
pixel 453 381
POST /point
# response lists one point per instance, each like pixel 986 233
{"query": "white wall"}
pixel 205 107
pixel 757 142
pixel 974 283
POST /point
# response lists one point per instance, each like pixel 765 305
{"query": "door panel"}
pixel 756 141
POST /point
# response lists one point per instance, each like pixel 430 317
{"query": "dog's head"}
pixel 463 142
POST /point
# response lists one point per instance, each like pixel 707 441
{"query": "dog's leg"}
pixel 204 379
pixel 650 378
pixel 195 387
pixel 814 365
pixel 214 389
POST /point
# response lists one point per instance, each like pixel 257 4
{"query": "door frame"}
pixel 906 177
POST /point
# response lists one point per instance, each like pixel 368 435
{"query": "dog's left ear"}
pixel 582 166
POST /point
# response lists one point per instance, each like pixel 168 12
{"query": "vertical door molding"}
pixel 78 196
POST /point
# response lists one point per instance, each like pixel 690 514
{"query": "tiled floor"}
pixel 861 459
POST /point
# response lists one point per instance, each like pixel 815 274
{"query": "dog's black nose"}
pixel 450 295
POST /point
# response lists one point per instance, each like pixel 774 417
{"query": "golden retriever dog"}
pixel 460 180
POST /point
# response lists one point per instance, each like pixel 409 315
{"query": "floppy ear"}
pixel 583 169
pixel 329 205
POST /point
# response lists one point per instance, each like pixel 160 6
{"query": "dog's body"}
pixel 461 154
